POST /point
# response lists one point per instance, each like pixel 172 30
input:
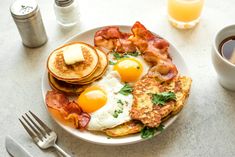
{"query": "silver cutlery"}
pixel 41 134
pixel 15 149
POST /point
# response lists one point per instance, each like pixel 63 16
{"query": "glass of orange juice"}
pixel 184 14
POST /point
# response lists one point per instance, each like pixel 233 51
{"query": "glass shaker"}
pixel 66 12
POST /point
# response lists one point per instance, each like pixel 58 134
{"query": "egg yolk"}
pixel 92 99
pixel 129 69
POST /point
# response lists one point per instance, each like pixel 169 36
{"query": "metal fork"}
pixel 41 134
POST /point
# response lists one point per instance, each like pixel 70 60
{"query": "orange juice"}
pixel 184 13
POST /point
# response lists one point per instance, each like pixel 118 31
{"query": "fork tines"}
pixel 34 126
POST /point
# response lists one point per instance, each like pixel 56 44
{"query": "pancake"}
pixel 101 68
pixel 77 71
pixel 67 88
pixel 152 115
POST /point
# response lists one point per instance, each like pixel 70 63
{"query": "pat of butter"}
pixel 73 54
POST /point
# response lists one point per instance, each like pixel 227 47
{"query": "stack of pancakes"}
pixel 74 78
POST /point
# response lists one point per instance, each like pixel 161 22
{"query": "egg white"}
pixel 104 117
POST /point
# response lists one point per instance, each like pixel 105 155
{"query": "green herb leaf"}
pixel 126 90
pixel 120 102
pixel 116 113
pixel 162 98
pixel 160 128
pixel 118 56
pixel 111 63
pixel 119 110
pixel 134 54
pixel 148 132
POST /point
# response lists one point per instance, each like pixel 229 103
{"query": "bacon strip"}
pixel 80 121
pixel 153 48
pixel 72 107
pixel 164 71
pixel 112 39
pixel 155 51
pixel 69 110
pixel 141 33
pixel 56 100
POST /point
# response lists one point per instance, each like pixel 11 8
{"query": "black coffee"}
pixel 227 49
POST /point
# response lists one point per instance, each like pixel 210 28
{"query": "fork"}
pixel 41 134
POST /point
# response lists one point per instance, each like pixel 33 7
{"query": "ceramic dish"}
pixel 99 138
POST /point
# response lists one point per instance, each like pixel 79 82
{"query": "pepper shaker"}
pixel 66 12
pixel 28 20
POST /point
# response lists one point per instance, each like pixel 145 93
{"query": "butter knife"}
pixel 15 149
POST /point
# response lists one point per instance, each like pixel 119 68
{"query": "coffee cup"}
pixel 224 68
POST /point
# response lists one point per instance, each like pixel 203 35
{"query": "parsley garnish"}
pixel 120 102
pixel 162 98
pixel 111 63
pixel 116 113
pixel 126 90
pixel 120 110
pixel 148 132
pixel 134 54
pixel 118 56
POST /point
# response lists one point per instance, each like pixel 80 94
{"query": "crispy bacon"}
pixel 72 107
pixel 69 110
pixel 153 48
pixel 140 31
pixel 112 39
pixel 56 100
pixel 148 42
pixel 165 70
pixel 144 35
pixel 80 121
pixel 153 55
pixel 155 51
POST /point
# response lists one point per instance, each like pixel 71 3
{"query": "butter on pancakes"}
pixel 101 69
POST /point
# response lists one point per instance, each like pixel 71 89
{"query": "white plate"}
pixel 88 37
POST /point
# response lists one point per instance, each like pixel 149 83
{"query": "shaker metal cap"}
pixel 22 9
pixel 63 3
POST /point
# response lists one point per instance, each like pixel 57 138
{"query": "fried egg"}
pixel 106 106
pixel 131 69
pixel 102 100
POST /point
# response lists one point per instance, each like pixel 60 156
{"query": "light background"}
pixel 206 126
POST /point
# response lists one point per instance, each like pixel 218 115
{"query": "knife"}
pixel 15 149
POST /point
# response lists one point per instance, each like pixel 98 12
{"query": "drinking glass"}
pixel 184 14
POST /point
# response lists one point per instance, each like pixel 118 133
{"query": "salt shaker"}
pixel 27 17
pixel 67 12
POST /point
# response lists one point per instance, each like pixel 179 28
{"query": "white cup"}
pixel 224 69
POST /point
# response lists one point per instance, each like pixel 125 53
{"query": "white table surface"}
pixel 206 126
